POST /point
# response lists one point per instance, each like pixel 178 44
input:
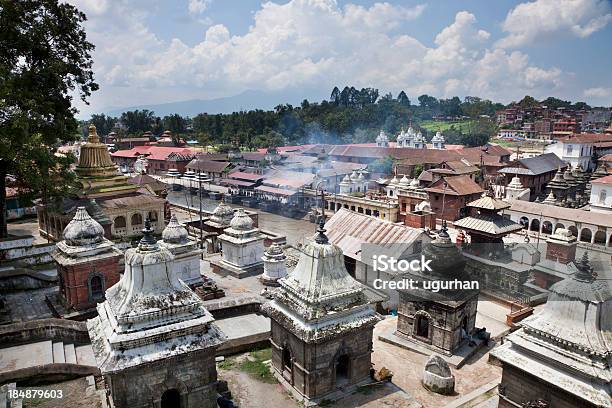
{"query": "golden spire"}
pixel 93 135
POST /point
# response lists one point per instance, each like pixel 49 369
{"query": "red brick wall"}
pixel 564 253
pixel 75 278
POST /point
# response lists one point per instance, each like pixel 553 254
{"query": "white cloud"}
pixel 598 93
pixel 303 44
pixel 198 6
pixel 528 22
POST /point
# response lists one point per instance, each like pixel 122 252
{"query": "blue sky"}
pixel 156 51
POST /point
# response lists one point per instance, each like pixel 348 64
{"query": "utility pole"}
pixel 201 224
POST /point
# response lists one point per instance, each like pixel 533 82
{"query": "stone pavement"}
pixel 407 367
pixel 29 304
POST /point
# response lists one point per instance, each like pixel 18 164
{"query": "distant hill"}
pixel 247 100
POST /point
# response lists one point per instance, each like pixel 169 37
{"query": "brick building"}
pixel 449 196
pixel 87 263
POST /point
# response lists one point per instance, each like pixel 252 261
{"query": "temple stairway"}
pixel 26 362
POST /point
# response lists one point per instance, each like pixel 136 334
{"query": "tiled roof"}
pixel 239 183
pixel 253 156
pixel 606 158
pixel 457 185
pixel 245 176
pixel 603 180
pixel 208 166
pixel 155 152
pixel 586 138
pixel 132 201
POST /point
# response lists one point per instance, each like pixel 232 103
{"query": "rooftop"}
pixel 457 185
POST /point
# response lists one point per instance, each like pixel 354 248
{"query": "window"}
pixel 136 219
pixel 96 286
pixel 152 216
pixel 570 148
pixel 119 222
pixel 602 196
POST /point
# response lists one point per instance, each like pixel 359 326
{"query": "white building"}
pixel 175 238
pixel 601 194
pixel 382 140
pixel 438 141
pixel 574 149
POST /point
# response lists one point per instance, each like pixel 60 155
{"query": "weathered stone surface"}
pixel 437 376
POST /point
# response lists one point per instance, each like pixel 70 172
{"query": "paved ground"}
pixel 294 229
pixel 29 304
pixel 26 226
pixel 408 366
pixel 248 392
pixel 79 393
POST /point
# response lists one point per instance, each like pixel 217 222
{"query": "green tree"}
pixel 138 121
pixel 45 60
pixel 176 124
pixel 104 124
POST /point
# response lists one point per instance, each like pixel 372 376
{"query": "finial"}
pixel 147 242
pixel 444 231
pixel 93 134
pixel 585 270
pixel 321 238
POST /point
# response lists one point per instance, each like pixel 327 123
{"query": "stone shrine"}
pixel 321 326
pixel 87 263
pixel 242 246
pixel 274 260
pixel 153 340
pixel 175 238
pixel 563 354
pixel 441 321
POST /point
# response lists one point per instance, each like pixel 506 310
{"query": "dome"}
pixel 394 180
pixel 446 260
pixel 241 221
pixel 423 206
pixel 404 181
pixel 382 137
pixel 175 233
pixel 415 183
pixel 354 175
pixel 346 179
pixel 361 178
pixel 223 214
pixel 418 137
pixel 410 131
pixel 401 137
pixel 438 137
pixel 515 183
pixel 83 230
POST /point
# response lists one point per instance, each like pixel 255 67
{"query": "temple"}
pixel 87 264
pixel 119 206
pixel 153 340
pixel 242 246
pixel 562 355
pixel 175 239
pixel 321 326
pixel 438 321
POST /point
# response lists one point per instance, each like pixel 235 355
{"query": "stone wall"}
pixel 68 331
pixel 193 375
pixel 519 386
pixel 445 322
pixel 314 365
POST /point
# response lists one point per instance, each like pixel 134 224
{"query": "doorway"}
pixel 342 369
pixel 422 329
pixel 171 399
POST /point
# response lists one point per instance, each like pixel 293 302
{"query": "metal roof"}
pixel 273 190
pixel 493 225
pixel 350 230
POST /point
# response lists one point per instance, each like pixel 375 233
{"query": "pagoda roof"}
pixel 489 203
pixel 488 224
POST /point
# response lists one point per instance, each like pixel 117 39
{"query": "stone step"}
pixel 26 355
pixel 58 353
pixel 85 356
pixel 70 353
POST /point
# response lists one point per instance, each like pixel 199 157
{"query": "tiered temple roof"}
pixel 150 314
pixel 319 299
pixel 569 343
